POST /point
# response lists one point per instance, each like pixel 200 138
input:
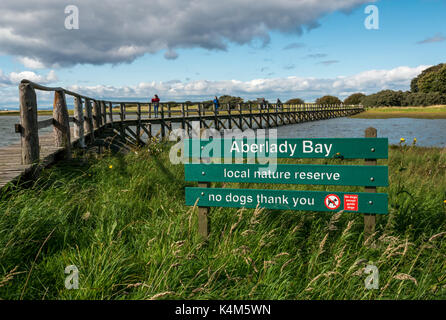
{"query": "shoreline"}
pixel 430 112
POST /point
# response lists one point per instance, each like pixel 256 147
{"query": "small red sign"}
pixel 332 201
pixel 351 202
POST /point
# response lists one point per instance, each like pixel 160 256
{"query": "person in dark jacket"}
pixel 155 102
pixel 216 104
pixel 278 104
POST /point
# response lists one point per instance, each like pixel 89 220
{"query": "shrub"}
pixel 355 98
pixel 384 98
pixel 328 100
pixel 295 101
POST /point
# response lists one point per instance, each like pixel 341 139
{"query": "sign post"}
pixel 370 219
pixel 370 176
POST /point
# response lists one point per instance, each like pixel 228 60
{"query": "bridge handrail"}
pixel 91 114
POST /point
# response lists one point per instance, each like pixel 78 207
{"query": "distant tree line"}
pixel 428 88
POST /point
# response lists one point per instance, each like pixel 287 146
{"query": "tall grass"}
pixel 122 221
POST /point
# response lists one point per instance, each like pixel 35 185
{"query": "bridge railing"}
pixel 91 114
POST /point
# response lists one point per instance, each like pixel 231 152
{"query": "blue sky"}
pixel 339 48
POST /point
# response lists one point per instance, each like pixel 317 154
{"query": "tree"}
pixel 414 86
pixel 355 98
pixel 328 100
pixel 384 98
pixel 233 101
pixel 295 101
pixel 434 81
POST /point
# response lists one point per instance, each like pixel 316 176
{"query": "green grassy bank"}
pixel 432 112
pixel 122 221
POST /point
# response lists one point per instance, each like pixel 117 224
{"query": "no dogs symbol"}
pixel 332 201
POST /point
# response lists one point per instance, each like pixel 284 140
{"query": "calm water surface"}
pixel 428 132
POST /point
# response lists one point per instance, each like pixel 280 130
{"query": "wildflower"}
pixel 444 201
pixel 402 140
pixel 414 141
pixel 110 167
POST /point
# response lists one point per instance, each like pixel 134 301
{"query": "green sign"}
pixel 343 148
pixel 360 202
pixel 373 176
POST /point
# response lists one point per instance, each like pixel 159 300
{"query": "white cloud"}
pixel 31 63
pixel 291 87
pixel 308 88
pixel 16 77
pixel 112 31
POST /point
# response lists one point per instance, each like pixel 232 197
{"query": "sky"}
pixel 194 50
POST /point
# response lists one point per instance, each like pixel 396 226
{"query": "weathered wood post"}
pixel 370 219
pixel 203 216
pixel 103 112
pixel 122 118
pixel 79 121
pixel 183 123
pixel 230 117
pixel 29 128
pixel 163 128
pixel 110 108
pixel 138 126
pixel 89 120
pixel 250 116
pixel 96 115
pixel 240 119
pixel 61 126
pixel 217 124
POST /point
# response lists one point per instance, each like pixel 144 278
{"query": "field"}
pixel 431 112
pixel 121 220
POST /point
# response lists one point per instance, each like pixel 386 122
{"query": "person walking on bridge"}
pixel 278 104
pixel 216 104
pixel 155 102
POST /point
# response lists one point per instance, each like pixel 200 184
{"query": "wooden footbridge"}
pixel 98 124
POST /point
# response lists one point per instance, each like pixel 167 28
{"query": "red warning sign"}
pixel 351 202
pixel 332 201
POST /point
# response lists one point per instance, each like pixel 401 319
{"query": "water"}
pixel 428 132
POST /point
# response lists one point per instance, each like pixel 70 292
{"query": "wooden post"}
pixel 216 123
pixel 122 117
pixel 110 107
pixel 163 128
pixel 240 119
pixel 183 123
pixel 203 216
pixel 250 116
pixel 150 110
pixel 230 117
pixel 103 112
pixel 89 122
pixel 96 115
pixel 79 122
pixel 149 129
pixel 370 219
pixel 28 120
pixel 61 123
pixel 138 126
